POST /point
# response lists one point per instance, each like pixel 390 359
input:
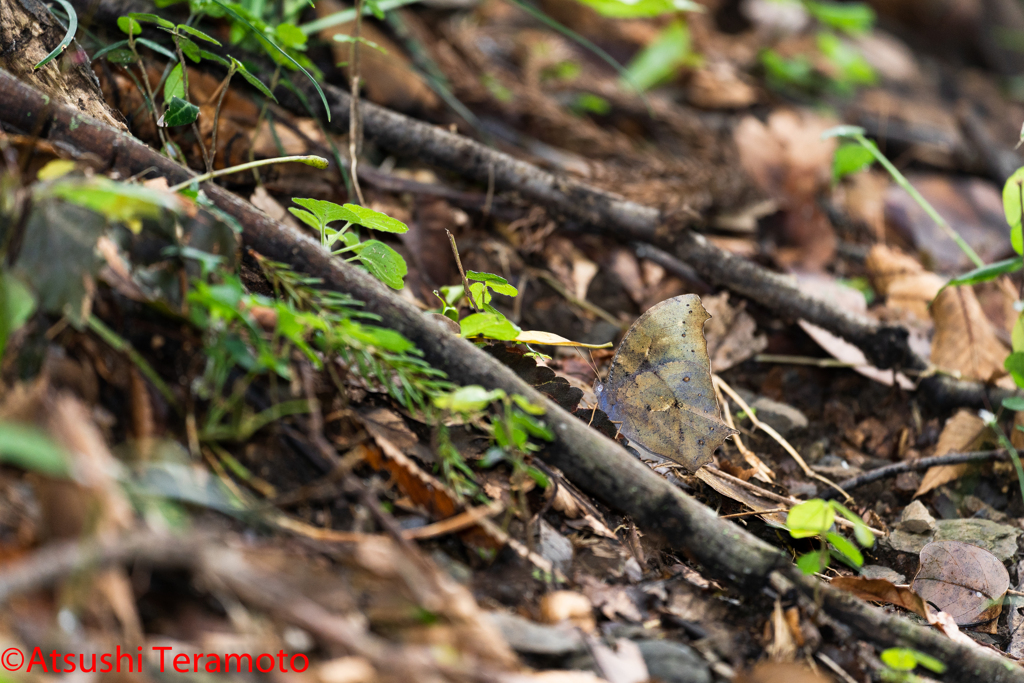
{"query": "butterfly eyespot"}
pixel 686 379
pixel 700 442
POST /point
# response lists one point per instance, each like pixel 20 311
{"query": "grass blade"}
pixel 68 37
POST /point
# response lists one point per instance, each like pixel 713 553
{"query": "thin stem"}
pixel 184 82
pixel 1005 442
pixel 216 115
pixel 902 181
pixel 355 121
pixel 149 91
pixel 308 159
pixel 259 122
pixel 465 280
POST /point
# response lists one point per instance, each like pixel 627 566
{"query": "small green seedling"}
pixel 901 661
pixel 814 519
pixel 381 260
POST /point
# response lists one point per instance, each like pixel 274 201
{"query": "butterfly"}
pixel 659 385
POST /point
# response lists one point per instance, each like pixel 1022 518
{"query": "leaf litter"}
pixel 355 465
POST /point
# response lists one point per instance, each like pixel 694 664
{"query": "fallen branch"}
pixel 915 465
pixel 596 464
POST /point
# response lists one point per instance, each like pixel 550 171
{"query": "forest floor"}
pixel 216 440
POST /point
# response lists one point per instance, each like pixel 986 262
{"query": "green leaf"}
pixel 468 399
pixel 1017 334
pixel 174 86
pixel 30 449
pixel 488 325
pixel 375 220
pixel 146 18
pixel 157 48
pixel 527 407
pixel 987 273
pixel 291 36
pixel 660 60
pixel 206 54
pixel 180 113
pixel 128 25
pixel 495 282
pixel 198 34
pixel 66 40
pixel 307 218
pixel 118 202
pixel 113 46
pixel 624 9
pixel 860 530
pixel 252 80
pixel 899 658
pixel 263 39
pixel 120 56
pixel 383 262
pixel 852 68
pixel 813 562
pixel 17 303
pixel 1014 403
pixel 1012 208
pixel 784 71
pixel 326 212
pixel 1014 364
pixel 852 17
pixel 850 158
pixel 189 49
pixel 846 548
pixel 929 662
pixel 810 518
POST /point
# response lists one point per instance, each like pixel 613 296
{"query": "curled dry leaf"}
pixel 963 580
pixel 880 590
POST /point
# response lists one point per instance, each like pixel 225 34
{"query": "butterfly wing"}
pixel 659 385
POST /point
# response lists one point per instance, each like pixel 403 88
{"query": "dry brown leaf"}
pixel 731 333
pixel 965 581
pixel 965 340
pixel 790 162
pixel 388 76
pixel 728 488
pixel 904 282
pixel 777 672
pixel 719 85
pixel 962 432
pixel 880 590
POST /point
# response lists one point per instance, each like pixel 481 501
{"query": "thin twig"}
pixel 224 86
pixel 188 98
pixel 762 471
pixel 770 431
pixel 915 465
pixel 355 119
pixel 465 281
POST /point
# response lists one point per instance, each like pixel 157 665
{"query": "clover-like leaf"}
pixel 252 80
pixel 810 518
pixel 495 282
pixel 468 399
pixel 490 325
pixel 190 49
pixel 326 212
pixel 375 220
pixel 383 262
